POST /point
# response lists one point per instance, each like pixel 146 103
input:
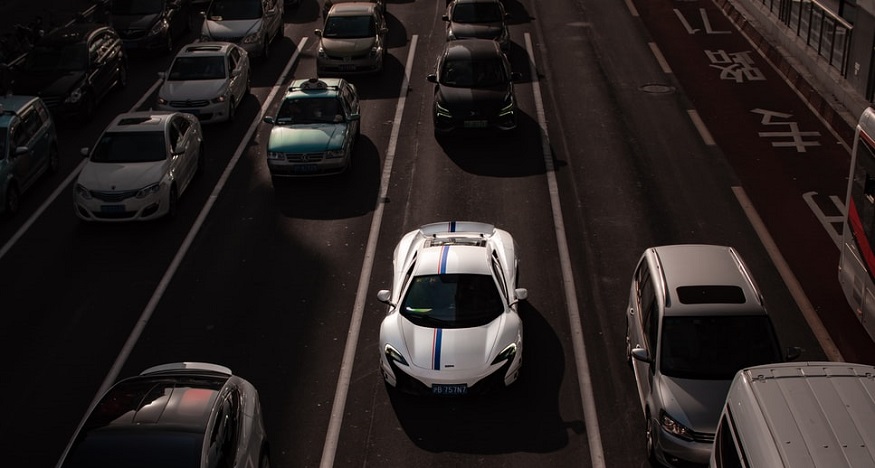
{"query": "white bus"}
pixel 857 262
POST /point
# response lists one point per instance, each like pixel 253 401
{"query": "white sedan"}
pixel 139 167
pixel 452 327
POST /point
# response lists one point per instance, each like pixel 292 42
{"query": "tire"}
pixel 650 445
pixel 172 202
pixel 232 109
pixel 201 162
pixel 122 79
pixel 54 160
pixel 13 199
pixel 264 459
pixel 88 108
pixel 265 53
pixel 628 346
pixel 169 48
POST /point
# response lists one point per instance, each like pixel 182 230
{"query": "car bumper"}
pixel 210 113
pixel 448 123
pixel 436 383
pixel 679 453
pixel 129 209
pixel 294 167
pixel 348 66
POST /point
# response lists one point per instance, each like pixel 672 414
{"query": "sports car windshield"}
pixel 136 7
pixel 197 68
pixel 452 301
pixel 132 147
pixel 715 348
pixel 350 27
pixel 473 74
pixel 230 10
pixel 477 13
pixel 67 58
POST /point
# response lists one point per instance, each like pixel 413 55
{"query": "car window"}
pixel 452 300
pixel 350 27
pixel 477 13
pixel 46 58
pixel 31 122
pixel 42 111
pixel 136 7
pixel 230 10
pixel 499 276
pixel 466 73
pixel 197 68
pixel 128 147
pixel 223 439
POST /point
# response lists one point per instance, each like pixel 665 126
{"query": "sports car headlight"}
pixel 506 354
pixel 334 153
pixel 276 155
pixel 83 192
pixel 508 106
pixel 673 427
pixel 392 354
pixel 148 190
pixel 251 38
pixel 159 28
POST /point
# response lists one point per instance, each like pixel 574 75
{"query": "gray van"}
pixel 251 24
pixel 28 147
pixel 798 415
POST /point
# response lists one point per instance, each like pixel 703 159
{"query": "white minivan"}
pixel 799 415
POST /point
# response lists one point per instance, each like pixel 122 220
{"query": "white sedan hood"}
pixel 192 90
pixel 113 177
pixel 451 348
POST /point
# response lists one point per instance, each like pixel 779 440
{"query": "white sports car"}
pixel 452 327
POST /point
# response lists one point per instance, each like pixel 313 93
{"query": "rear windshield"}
pixel 132 448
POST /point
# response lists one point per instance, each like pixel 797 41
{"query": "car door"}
pixel 273 17
pixel 101 63
pixel 351 106
pixel 38 141
pixel 185 159
pixel 21 163
pixel 643 326
pixel 236 75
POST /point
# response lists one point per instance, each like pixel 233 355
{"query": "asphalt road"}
pixel 268 281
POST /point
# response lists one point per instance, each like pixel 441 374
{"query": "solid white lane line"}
pixel 584 378
pixel 700 126
pixel 329 450
pixel 183 249
pixel 829 347
pixel 659 57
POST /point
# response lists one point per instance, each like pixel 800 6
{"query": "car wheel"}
pixel 172 202
pixel 201 162
pixel 169 48
pixel 264 459
pixel 628 345
pixel 88 107
pixel 13 199
pixel 265 53
pixel 649 440
pixel 122 79
pixel 232 110
pixel 54 160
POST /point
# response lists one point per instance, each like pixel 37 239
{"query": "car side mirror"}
pixel 269 120
pixel 84 151
pixel 384 295
pixel 516 76
pixel 19 150
pixel 317 32
pixel 431 78
pixel 355 116
pixel 793 352
pixel 641 354
pixel 162 75
pixel 445 17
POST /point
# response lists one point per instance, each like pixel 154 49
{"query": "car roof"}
pixel 705 279
pixel 314 87
pixel 205 48
pixel 453 257
pixel 11 105
pixel 472 49
pixel 352 9
pixel 70 34
pixel 142 121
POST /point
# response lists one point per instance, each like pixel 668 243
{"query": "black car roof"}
pixel 71 34
pixel 473 49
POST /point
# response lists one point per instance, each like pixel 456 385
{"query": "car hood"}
pixel 485 30
pixel 487 100
pixel 348 46
pixel 192 90
pixel 113 177
pixel 451 348
pixel 694 403
pixel 49 83
pixel 307 138
pixel 123 23
pixel 230 30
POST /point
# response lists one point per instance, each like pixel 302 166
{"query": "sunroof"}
pixel 710 294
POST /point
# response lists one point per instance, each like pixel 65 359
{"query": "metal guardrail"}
pixel 822 30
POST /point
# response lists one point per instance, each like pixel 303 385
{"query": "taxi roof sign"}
pixel 313 83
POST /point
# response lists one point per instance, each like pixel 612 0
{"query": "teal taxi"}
pixel 315 128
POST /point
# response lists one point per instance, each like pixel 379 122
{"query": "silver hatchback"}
pixel 352 40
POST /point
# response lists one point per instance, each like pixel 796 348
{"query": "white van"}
pixel 799 415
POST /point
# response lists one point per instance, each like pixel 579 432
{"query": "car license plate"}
pixel 347 67
pixel 305 168
pixel 456 389
pixel 112 208
pixel 476 124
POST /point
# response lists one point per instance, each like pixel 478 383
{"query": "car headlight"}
pixel 74 96
pixel 508 106
pixel 83 192
pixel 673 427
pixel 276 155
pixel 251 38
pixel 441 110
pixel 451 36
pixel 392 354
pixel 375 51
pixel 219 99
pixel 159 28
pixel 320 52
pixel 148 190
pixel 162 101
pixel 338 153
pixel 506 354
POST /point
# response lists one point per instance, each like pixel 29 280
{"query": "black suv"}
pixel 72 68
pixel 150 24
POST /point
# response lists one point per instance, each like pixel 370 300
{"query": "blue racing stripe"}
pixel 436 350
pixel 442 267
pixel 452 226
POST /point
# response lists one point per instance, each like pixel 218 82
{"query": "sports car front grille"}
pixel 113 196
pixel 491 383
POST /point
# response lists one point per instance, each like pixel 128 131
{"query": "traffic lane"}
pixel 780 150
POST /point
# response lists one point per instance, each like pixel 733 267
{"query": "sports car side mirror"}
pixel 521 294
pixel 384 295
pixel 641 355
pixel 793 352
pixel 432 78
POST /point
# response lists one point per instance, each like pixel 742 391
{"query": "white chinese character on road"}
pixel 792 133
pixel 705 22
pixel 735 66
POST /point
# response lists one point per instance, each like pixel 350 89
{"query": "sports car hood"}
pixel 482 30
pixel 192 90
pixel 48 83
pixel 694 403
pixel 230 30
pixel 451 348
pixel 485 100
pixel 124 23
pixel 354 46
pixel 307 138
pixel 119 177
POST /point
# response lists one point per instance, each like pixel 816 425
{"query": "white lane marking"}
pixel 659 57
pixel 584 378
pixel 332 436
pixel 700 126
pixel 631 7
pixel 183 249
pixel 808 312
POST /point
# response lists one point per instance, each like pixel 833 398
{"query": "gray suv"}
pixel 695 318
pixel 28 147
pixel 251 24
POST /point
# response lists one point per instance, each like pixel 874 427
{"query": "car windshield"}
pixel 473 74
pixel 715 348
pixel 477 13
pixel 452 301
pixel 350 27
pixel 309 110
pixel 197 68
pixel 71 57
pixel 107 448
pixel 136 7
pixel 130 147
pixel 229 10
